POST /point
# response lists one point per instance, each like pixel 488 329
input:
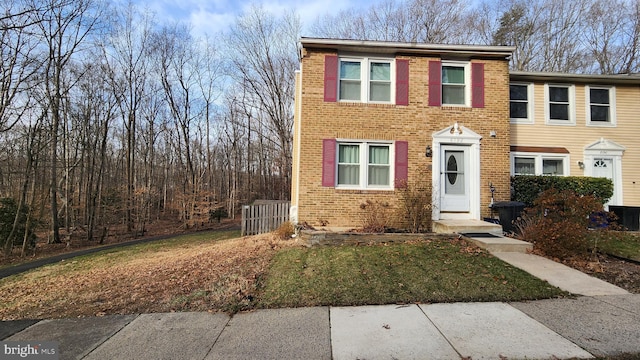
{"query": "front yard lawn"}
pixel 221 272
pixel 422 271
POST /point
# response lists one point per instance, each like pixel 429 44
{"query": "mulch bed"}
pixel 622 273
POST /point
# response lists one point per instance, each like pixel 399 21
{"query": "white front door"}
pixel 603 167
pixel 454 179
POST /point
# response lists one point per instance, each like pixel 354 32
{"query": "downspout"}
pixel 293 212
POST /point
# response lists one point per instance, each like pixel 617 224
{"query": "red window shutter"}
pixel 477 85
pixel 402 163
pixel 330 78
pixel 402 82
pixel 435 83
pixel 329 162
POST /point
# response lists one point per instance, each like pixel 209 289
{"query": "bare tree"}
pixel 612 36
pixel 64 26
pixel 18 64
pixel 263 52
pixel 127 52
pixel 426 21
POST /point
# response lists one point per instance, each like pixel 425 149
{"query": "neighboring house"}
pixel 373 115
pixel 578 125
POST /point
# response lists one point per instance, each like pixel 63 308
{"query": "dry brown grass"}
pixel 213 276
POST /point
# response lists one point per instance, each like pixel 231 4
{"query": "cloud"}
pixel 209 23
pixel 214 16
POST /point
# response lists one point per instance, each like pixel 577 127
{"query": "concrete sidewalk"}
pixel 548 329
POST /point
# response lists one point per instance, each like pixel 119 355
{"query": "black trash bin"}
pixel 508 212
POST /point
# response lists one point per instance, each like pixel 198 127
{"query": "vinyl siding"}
pixel 576 138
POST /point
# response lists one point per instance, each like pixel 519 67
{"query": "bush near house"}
pixel 559 224
pixel 526 188
pixel 414 206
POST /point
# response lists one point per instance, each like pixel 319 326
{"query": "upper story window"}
pixel 455 83
pixel 560 104
pixel 600 105
pixel 521 103
pixel 365 80
pixel 364 165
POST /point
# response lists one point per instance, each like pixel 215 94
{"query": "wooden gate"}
pixel 264 217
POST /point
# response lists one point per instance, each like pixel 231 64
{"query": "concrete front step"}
pixel 501 244
pixel 484 234
pixel 465 226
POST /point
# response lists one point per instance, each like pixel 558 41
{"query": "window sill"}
pixel 363 191
pixel 560 123
pixel 601 124
pixel 521 121
pixel 364 104
pixel 456 107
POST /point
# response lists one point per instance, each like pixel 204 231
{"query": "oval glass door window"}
pixel 454 172
pixel 452 169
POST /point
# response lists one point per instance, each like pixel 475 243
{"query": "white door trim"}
pixel 458 136
pixel 606 149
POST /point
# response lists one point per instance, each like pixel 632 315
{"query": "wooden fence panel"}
pixel 264 218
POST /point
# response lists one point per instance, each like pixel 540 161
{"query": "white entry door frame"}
pixel 454 179
pixel 450 145
pixel 603 158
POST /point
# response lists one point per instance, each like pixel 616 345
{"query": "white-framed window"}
pixel 523 163
pixel 364 165
pixel 560 104
pixel 521 103
pixel 456 83
pixel 366 79
pixel 601 110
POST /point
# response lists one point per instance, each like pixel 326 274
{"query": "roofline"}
pixel 391 47
pixel 628 79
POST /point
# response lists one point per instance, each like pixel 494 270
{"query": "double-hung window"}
pixel 521 103
pixel 539 164
pixel 600 105
pixel 455 83
pixel 366 80
pixel 364 165
pixel 560 104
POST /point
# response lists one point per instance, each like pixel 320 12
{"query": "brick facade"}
pixel 415 123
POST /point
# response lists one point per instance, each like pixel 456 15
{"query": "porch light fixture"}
pixel 428 152
pixel 581 164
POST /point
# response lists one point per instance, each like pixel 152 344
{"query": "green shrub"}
pixel 527 188
pixel 558 223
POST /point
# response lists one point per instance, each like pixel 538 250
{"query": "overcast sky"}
pixel 212 16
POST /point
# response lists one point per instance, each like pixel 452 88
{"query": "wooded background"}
pixel 109 118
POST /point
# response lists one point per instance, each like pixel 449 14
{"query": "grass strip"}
pixel 624 244
pixel 421 271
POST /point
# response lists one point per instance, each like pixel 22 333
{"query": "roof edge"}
pixel 407 47
pixel 632 79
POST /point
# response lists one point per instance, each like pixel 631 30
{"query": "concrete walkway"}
pixel 559 275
